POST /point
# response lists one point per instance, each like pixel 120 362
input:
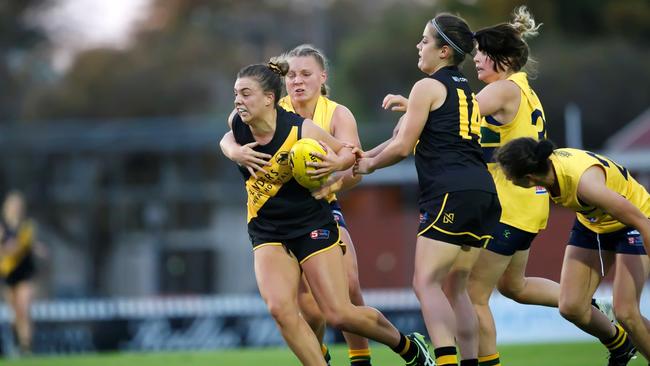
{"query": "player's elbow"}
pixel 404 151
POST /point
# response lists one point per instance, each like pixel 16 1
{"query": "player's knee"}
pixel 626 313
pixel 511 290
pixel 281 310
pixel 338 317
pixel 573 311
pixel 310 310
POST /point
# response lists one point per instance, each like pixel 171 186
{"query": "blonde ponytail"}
pixel 524 23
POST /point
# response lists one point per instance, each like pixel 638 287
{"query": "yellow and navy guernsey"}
pixel 524 208
pixel 569 166
pixel 279 207
pixel 448 155
pixel 322 117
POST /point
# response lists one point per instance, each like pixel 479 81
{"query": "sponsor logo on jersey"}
pixel 320 234
pixel 634 238
pixel 540 190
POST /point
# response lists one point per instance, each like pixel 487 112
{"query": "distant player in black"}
pixel 458 203
pixel 293 232
pixel 17 245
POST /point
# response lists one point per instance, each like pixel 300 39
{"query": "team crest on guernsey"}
pixel 282 158
pixel 320 234
pixel 424 217
pixel 540 190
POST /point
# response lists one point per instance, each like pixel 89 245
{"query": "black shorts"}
pixel 624 241
pixel 308 245
pixel 24 271
pixel 338 214
pixel 462 217
pixel 507 240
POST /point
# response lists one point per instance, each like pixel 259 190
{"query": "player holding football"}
pixel 292 232
pixel 308 96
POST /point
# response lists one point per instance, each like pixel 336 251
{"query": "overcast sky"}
pixel 76 25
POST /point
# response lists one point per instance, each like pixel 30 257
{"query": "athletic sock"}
pixel 446 356
pixel 359 357
pixel 489 360
pixel 617 343
pixel 405 348
pixel 469 362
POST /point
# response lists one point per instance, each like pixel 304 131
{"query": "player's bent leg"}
pixel 483 279
pixel 358 347
pixel 579 279
pixel 310 311
pixel 631 274
pixel 278 276
pixel 527 290
pixel 328 282
pixel 455 288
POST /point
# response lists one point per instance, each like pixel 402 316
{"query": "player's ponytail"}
pixel 524 23
pixel 523 156
pixel 505 43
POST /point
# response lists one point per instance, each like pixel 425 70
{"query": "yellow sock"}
pixel 359 357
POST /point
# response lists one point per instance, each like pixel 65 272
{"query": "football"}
pixel 301 153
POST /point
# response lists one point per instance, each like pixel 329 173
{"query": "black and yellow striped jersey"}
pixel 24 236
pixel 279 207
pixel 448 155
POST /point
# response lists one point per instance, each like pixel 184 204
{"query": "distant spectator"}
pixel 17 247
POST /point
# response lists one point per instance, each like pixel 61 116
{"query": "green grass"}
pixel 565 354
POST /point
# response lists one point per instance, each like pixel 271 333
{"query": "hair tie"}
pixel 275 68
pixel 447 39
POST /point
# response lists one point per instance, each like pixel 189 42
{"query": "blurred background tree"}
pixel 184 55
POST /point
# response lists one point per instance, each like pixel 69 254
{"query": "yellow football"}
pixel 301 153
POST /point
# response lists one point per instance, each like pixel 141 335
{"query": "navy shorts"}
pixel 624 241
pixel 507 240
pixel 338 214
pixel 462 217
pixel 305 246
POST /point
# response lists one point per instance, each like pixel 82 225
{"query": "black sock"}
pixel 446 356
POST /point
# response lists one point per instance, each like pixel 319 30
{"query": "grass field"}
pixel 566 354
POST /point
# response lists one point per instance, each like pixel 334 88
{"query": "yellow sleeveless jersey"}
pixel 569 166
pixel 524 208
pixel 322 117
